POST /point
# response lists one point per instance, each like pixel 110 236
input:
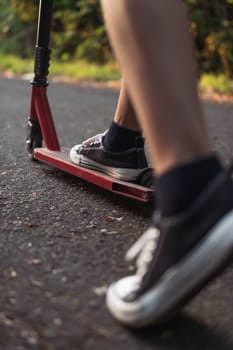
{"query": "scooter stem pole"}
pixel 44 23
pixel 42 52
pixel 40 108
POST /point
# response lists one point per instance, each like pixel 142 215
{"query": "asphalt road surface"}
pixel 62 240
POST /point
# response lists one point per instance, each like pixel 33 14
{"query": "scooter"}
pixel 41 128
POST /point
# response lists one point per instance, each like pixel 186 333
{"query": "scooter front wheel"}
pixel 34 137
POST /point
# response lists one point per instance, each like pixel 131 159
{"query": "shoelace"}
pixel 93 140
pixel 143 250
pixel 96 140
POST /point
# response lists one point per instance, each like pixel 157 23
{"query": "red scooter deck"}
pixel 61 160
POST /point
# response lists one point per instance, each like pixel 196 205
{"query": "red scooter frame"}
pixel 41 126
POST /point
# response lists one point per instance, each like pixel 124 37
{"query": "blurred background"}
pixel 80 47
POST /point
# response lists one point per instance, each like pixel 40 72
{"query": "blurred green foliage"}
pixel 212 26
pixel 78 31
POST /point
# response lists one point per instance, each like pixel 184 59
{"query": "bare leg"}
pixel 120 151
pixel 152 43
pixel 125 113
pixel 162 85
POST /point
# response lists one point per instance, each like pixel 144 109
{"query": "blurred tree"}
pixel 17 26
pixel 78 31
pixel 212 25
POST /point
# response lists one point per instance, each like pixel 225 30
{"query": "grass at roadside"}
pixel 216 83
pixel 15 64
pixel 75 69
pixel 109 72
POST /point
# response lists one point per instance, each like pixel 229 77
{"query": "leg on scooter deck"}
pixel 41 120
pixel 61 160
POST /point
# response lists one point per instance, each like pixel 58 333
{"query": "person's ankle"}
pixel 119 138
pixel 177 188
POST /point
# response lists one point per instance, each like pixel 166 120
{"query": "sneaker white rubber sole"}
pixel 177 283
pixel 123 174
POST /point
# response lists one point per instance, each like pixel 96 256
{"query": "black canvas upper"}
pixel 134 158
pixel 181 233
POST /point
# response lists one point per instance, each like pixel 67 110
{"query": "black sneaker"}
pixel 175 261
pixel 127 165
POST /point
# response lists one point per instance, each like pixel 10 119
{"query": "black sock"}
pixel 118 138
pixel 176 189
